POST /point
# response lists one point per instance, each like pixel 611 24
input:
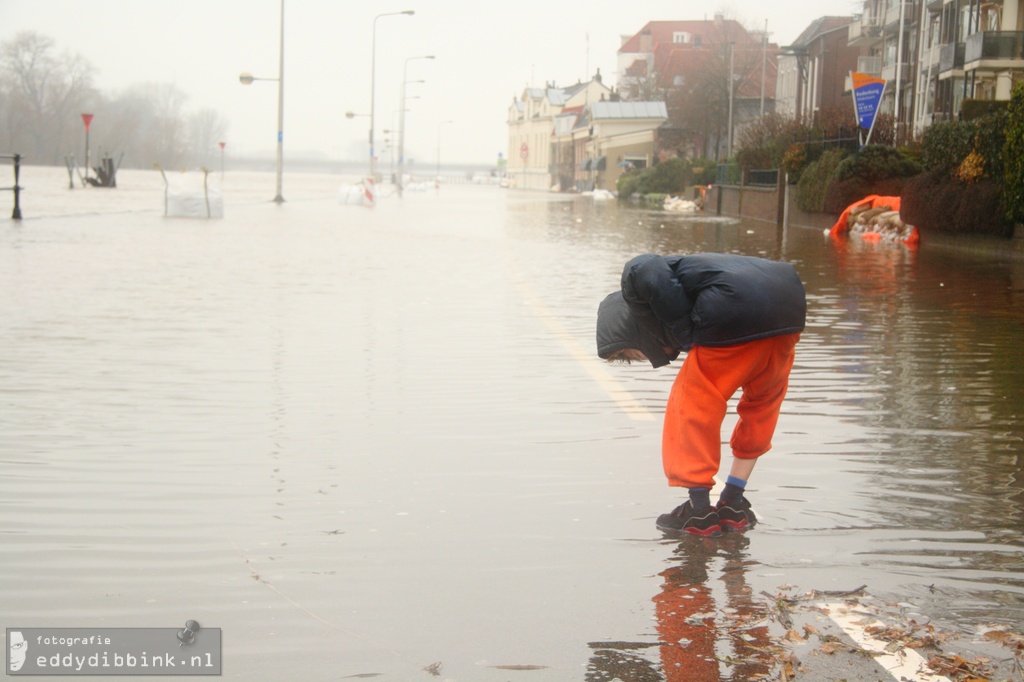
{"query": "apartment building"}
pixel 934 54
pixel 813 71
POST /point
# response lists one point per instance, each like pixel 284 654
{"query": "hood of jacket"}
pixel 619 328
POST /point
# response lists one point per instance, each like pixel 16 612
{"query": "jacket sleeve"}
pixel 649 285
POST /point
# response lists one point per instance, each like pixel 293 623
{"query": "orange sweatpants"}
pixel 691 444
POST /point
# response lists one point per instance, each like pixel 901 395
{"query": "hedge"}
pixel 935 200
pixel 1013 156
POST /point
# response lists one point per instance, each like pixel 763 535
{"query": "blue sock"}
pixel 734 488
pixel 700 498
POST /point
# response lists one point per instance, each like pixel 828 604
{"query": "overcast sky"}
pixel 486 53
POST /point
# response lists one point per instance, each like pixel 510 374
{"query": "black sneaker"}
pixel 683 519
pixel 736 516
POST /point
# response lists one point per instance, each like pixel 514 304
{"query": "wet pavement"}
pixel 377 442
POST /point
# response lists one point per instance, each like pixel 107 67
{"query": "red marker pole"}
pixel 86 119
pixel 222 145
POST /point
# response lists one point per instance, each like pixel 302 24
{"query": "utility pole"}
pixel 764 63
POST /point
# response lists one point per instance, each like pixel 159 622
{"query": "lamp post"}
pixel 373 73
pixel 732 86
pixel 401 122
pixel 403 108
pixel 247 79
pixel 438 175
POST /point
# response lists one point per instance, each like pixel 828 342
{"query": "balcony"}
pixel 889 73
pixel 995 50
pixel 951 60
pixel 892 15
pixel 867 31
pixel 869 65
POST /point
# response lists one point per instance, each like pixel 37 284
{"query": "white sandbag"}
pixel 191 195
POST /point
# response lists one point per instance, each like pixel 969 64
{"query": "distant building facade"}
pixel 814 70
pixel 578 138
pixel 690 65
pixel 531 126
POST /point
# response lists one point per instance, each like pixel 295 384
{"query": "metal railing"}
pixel 763 177
pixel 1001 45
pixel 892 15
pixel 871 65
pixel 728 174
pixel 951 57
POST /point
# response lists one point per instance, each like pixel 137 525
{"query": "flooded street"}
pixel 366 442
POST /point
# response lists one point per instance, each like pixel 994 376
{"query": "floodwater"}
pixel 376 443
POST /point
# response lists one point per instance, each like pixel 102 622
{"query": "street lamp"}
pixel 247 79
pixel 438 175
pixel 373 72
pixel 732 86
pixel 401 121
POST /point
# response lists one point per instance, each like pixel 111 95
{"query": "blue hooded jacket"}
pixel 706 299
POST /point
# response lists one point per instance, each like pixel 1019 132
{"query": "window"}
pixel 680 37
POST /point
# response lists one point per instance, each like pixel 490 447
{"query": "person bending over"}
pixel 739 319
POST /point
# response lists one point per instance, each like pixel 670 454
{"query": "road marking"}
pixel 596 368
pixel 906 664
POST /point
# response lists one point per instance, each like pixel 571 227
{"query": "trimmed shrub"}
pixel 937 201
pixel 703 170
pixel 667 177
pixel 1013 157
pixel 929 200
pixel 945 145
pixel 876 162
pixel 971 109
pixel 876 169
pixel 627 183
pixel 815 179
pixel 989 142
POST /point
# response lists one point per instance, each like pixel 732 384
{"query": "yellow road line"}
pixel 596 368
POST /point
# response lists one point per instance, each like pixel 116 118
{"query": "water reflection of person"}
pixel 700 624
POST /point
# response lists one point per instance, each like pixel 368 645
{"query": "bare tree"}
pixel 206 128
pixel 702 81
pixel 44 94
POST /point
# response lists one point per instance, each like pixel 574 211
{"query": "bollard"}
pixel 16 215
pixel 16 158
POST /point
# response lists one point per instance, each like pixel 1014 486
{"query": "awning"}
pixel 585 165
pixel 599 163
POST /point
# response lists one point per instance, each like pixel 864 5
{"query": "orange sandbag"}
pixel 870 201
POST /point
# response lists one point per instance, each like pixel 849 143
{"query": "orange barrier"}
pixel 871 201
